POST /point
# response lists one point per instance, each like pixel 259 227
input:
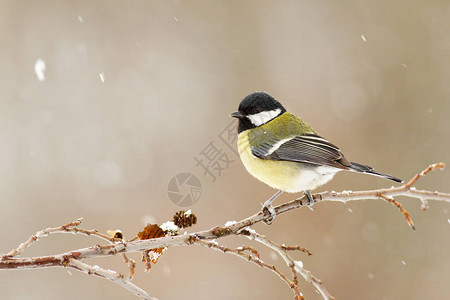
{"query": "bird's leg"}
pixel 268 206
pixel 271 199
pixel 310 199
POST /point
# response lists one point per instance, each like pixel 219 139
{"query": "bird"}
pixel 284 152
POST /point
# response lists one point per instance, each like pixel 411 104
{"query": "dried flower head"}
pixel 184 219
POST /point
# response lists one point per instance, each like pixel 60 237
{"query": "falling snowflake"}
pixel 39 69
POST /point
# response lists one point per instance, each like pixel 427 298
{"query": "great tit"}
pixel 284 152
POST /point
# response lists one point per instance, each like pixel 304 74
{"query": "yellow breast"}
pixel 277 174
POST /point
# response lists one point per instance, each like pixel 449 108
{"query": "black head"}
pixel 257 109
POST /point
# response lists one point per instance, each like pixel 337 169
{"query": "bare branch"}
pixel 205 238
pixel 254 257
pixel 401 208
pixel 296 266
pixel 110 275
pixel 42 233
pixel 294 248
pixel 430 168
pixel 131 265
pixel 69 227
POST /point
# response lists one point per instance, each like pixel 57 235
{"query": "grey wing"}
pixel 308 148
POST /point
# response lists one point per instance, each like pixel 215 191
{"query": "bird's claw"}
pixel 310 200
pixel 269 210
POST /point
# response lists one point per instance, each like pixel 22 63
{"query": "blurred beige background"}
pixel 134 90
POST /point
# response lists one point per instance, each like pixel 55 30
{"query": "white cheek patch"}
pixel 263 117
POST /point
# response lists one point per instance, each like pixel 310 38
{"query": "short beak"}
pixel 236 114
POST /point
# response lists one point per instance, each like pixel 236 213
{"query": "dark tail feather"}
pixel 369 170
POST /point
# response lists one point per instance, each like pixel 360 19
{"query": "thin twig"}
pixel 413 180
pixel 296 248
pixel 401 208
pixel 147 261
pixel 254 257
pixel 131 265
pixel 69 227
pixel 430 168
pixel 293 264
pixel 42 233
pixel 110 275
